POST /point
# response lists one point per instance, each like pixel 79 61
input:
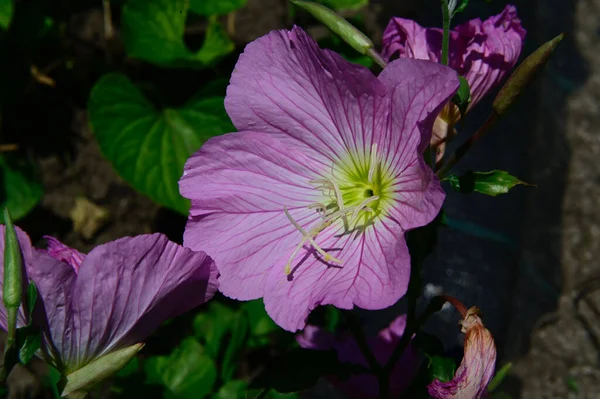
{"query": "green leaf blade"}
pixel 188 373
pixel 153 31
pixel 491 183
pixel 20 189
pixel 149 147
pixel 215 7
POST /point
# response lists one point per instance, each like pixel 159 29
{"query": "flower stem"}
pixel 462 150
pixel 377 58
pixel 446 29
pixel 363 345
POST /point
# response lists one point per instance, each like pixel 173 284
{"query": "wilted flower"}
pixel 308 203
pixel 114 297
pixel 477 367
pixel 481 51
pixel 366 386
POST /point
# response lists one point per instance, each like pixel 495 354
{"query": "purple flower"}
pixel 365 386
pixel 308 203
pixel 112 298
pixel 481 51
pixel 477 367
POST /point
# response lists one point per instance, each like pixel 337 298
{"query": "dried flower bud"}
pixel 477 367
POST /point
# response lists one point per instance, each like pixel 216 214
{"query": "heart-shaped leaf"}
pixel 147 146
pixel 153 31
pixel 20 190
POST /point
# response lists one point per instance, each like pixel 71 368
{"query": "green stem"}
pixel 462 150
pixel 11 338
pixel 446 34
pixel 363 345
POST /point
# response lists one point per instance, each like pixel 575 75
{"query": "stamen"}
pixel 320 207
pixel 372 162
pixel 340 202
pixel 307 237
pixel 363 206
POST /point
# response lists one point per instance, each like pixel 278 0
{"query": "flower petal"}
pixel 239 185
pixel 421 88
pixel 63 253
pixel 127 288
pixel 374 275
pixel 285 84
pixel 26 251
pixel 54 280
pixel 419 91
pixel 492 52
pixel 482 52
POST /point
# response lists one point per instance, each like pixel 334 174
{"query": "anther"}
pixel 307 236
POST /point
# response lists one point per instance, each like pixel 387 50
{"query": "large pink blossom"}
pixel 308 203
pixel 481 51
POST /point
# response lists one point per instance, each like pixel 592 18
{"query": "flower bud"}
pixel 338 25
pixel 13 264
pixel 524 75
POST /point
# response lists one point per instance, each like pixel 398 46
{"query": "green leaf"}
pixel 442 368
pixel 29 340
pixel 211 326
pixel 147 146
pixel 130 368
pixel 188 373
pixel 32 294
pixel 7 9
pixel 153 31
pixel 461 7
pixel 233 389
pixel 572 384
pixel 340 5
pixel 490 183
pixel 215 7
pixel 51 380
pixel 259 320
pixel 237 338
pixel 499 377
pixel 462 98
pixel 20 190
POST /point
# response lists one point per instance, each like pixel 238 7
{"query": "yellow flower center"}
pixel 358 191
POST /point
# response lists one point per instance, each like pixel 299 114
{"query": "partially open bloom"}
pixel 481 51
pixel 365 386
pixel 477 367
pixel 112 298
pixel 308 203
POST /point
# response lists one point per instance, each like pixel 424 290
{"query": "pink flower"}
pixel 365 386
pixel 112 298
pixel 308 203
pixel 481 51
pixel 477 367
